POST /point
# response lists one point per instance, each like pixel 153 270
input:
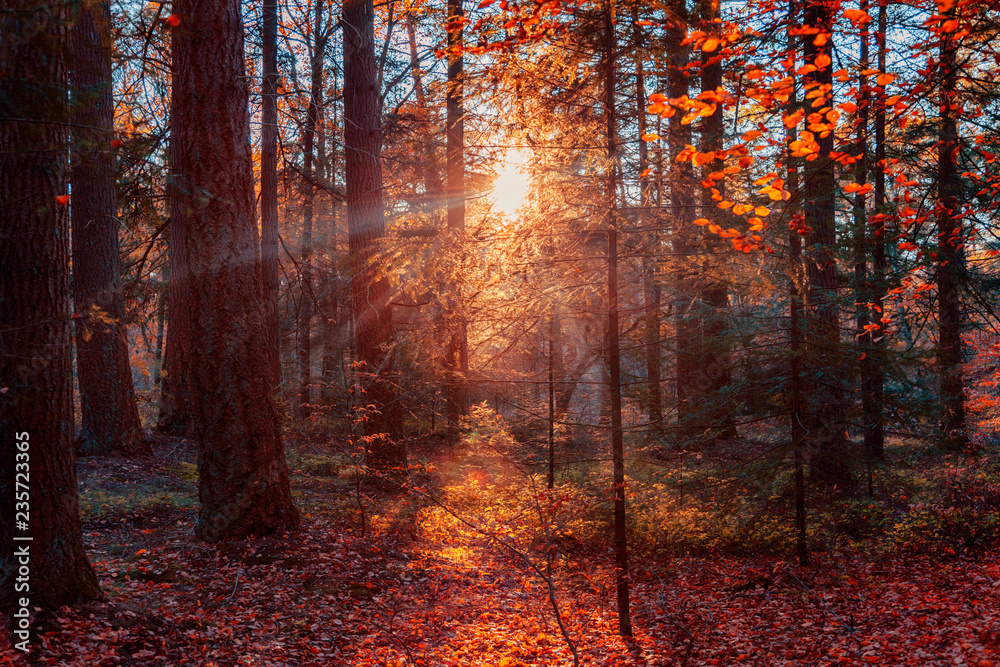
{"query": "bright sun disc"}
pixel 511 185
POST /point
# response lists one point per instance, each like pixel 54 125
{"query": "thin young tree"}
pixel 242 477
pixel 269 187
pixel 37 478
pixel 457 352
pixel 614 355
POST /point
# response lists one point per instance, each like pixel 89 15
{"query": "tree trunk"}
pixel 308 209
pixel 687 343
pixel 875 435
pixel 951 256
pixel 614 360
pixel 107 398
pixel 175 416
pixel 651 288
pixel 270 269
pixel 796 285
pixel 366 226
pixel 827 435
pixel 456 355
pixel 864 294
pixel 242 476
pixel 36 408
pixel 432 179
pixel 715 368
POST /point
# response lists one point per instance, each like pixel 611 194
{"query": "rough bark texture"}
pixel 107 398
pixel 36 405
pixel 827 437
pixel 269 188
pixel 951 258
pixel 242 477
pixel 366 226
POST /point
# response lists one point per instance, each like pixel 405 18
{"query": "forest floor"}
pixel 428 585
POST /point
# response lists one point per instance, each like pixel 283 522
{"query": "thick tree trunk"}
pixel 951 257
pixel 36 406
pixel 242 476
pixel 456 355
pixel 107 398
pixel 687 331
pixel 827 434
pixel 366 226
pixel 270 269
pixel 614 359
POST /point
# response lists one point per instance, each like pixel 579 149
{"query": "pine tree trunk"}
pixel 951 257
pixel 366 226
pixel 651 288
pixel 306 295
pixel 687 340
pixel 242 476
pixel 715 369
pixel 825 424
pixel 875 436
pixel 614 359
pixel 456 355
pixel 107 398
pixel 270 269
pixel 36 406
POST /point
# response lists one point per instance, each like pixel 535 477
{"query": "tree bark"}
pixel 366 226
pixel 951 256
pixel 456 355
pixel 36 406
pixel 308 209
pixel 715 368
pixel 614 359
pixel 687 334
pixel 825 424
pixel 242 476
pixel 270 269
pixel 110 418
pixel 651 288
pixel 875 436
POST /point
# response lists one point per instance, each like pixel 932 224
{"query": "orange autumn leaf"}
pixel 885 79
pixel 745 161
pixel 857 15
pixel 762 211
pixel 741 209
pixel 751 134
pixel 701 222
pixel 711 44
pixel 650 136
pixel 950 26
pixel 62 199
pixel 174 20
pixel 822 60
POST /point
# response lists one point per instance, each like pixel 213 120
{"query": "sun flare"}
pixel 511 185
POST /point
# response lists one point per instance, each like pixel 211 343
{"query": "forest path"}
pixel 424 588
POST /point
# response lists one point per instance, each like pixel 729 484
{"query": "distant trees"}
pixel 38 478
pixel 242 477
